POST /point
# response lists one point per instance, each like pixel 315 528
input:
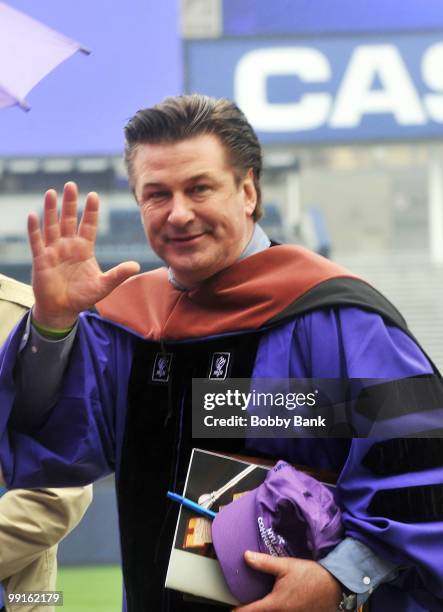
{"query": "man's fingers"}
pixel 88 223
pixel 68 219
pixel 277 566
pixel 50 218
pixel 115 276
pixel 35 236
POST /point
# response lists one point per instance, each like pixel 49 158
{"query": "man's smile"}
pixel 185 240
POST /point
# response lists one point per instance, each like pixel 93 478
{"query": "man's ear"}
pixel 250 193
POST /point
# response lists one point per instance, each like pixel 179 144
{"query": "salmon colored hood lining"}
pixel 242 297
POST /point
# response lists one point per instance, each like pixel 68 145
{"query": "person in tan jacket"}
pixel 32 521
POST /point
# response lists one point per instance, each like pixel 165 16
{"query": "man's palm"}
pixel 66 276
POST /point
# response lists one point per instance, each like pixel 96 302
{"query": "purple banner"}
pixel 83 105
pixel 261 17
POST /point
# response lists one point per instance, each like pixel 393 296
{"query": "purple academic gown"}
pixel 81 440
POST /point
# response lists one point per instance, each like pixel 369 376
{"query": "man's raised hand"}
pixel 66 277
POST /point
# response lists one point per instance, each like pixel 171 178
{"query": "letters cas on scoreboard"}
pixel 336 89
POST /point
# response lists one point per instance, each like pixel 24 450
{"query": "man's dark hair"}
pixel 181 117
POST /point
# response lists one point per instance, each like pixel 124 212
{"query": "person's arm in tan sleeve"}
pixel 33 520
pixel 40 575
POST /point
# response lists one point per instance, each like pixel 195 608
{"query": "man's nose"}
pixel 181 211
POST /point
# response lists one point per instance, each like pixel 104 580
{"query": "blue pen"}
pixel 188 503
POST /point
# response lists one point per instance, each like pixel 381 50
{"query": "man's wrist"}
pixel 348 600
pixel 52 326
pixel 54 334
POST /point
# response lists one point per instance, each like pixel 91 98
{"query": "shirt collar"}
pixel 259 242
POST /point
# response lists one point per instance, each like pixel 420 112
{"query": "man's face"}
pixel 197 218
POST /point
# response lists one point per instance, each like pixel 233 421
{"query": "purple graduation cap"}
pixel 289 515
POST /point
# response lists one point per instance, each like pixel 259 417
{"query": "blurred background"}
pixel 347 99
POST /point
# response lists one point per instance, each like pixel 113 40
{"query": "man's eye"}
pixel 200 189
pixel 157 195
